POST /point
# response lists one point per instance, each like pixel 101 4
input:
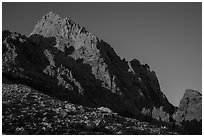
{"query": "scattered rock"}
pixel 46 120
pixel 105 110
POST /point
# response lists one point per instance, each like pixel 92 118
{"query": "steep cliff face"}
pixel 189 112
pixel 66 61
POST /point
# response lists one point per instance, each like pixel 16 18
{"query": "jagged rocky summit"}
pixel 189 112
pixel 64 60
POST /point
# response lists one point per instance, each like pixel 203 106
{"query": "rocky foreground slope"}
pixel 62 60
pixel 27 111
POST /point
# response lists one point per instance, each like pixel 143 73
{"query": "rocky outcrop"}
pixel 64 60
pixel 26 111
pixel 189 112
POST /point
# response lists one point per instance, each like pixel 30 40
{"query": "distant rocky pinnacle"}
pixel 189 112
pixel 65 61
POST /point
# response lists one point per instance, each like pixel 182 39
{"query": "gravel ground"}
pixel 27 111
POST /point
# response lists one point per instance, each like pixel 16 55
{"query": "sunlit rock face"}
pixel 64 60
pixel 189 112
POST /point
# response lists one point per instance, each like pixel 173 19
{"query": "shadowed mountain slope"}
pixel 64 60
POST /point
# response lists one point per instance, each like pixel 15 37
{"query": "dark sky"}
pixel 167 36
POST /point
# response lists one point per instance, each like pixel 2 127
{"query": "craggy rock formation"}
pixel 64 60
pixel 189 112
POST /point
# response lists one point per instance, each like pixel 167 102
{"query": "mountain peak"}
pixel 51 25
pixel 51 15
pixel 74 65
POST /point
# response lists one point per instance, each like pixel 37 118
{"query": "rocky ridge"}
pixel 65 60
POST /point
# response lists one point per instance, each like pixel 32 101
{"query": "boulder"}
pixel 189 112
